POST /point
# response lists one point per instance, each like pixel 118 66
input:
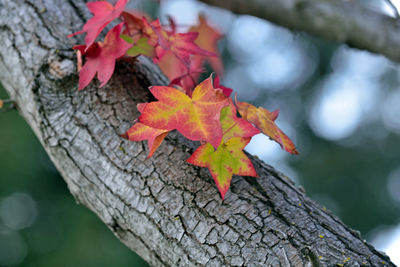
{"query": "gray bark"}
pixel 166 210
pixel 341 21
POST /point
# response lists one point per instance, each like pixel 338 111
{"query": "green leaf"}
pixel 142 47
pixel 126 38
pixel 227 160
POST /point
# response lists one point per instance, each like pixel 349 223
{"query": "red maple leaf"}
pixel 208 40
pixel 100 57
pixel 171 66
pixel 148 31
pixel 104 13
pixel 186 76
pixel 133 24
pixel 182 45
pixel 178 73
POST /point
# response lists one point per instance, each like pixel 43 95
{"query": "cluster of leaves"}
pixel 202 112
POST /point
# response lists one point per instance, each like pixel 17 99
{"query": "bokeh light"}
pixel 393 185
pixel 18 211
pixel 391 111
pixel 13 248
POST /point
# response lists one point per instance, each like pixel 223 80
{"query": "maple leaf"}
pixel 182 45
pixel 233 126
pixel 196 117
pixel 154 137
pixel 139 33
pixel 178 73
pixel 208 39
pixel 265 121
pixel 100 57
pixel 148 31
pixel 185 83
pixel 133 24
pixel 182 63
pixel 104 13
pixel 227 160
pixel 186 78
pixel 171 66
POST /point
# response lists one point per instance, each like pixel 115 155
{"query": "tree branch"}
pixel 334 20
pixel 393 7
pixel 166 210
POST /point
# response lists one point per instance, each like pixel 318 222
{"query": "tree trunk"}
pixel 166 210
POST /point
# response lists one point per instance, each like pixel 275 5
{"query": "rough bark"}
pixel 341 21
pixel 166 210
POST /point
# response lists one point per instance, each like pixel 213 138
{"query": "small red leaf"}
pixel 103 13
pixel 100 57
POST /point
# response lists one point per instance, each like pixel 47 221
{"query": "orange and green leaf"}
pixel 233 126
pixel 196 117
pixel 265 121
pixel 229 159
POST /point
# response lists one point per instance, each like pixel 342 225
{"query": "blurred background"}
pixel 340 106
